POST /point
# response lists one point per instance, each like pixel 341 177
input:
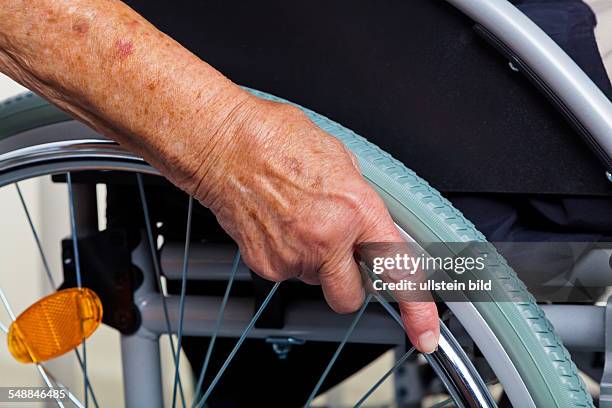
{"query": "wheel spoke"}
pixel 448 400
pixel 431 359
pixel 442 403
pixel 157 269
pixel 45 378
pixel 347 335
pixel 71 396
pixel 50 278
pixel 90 386
pixel 36 238
pixel 7 305
pixel 73 227
pixel 213 338
pixel 39 367
pixel 182 300
pixel 241 340
pixel 79 279
pixel 382 379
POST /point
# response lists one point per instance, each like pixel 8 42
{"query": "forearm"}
pixel 289 194
pixel 103 63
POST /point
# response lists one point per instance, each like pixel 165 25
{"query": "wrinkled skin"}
pixel 290 195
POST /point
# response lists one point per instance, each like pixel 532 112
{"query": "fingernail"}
pixel 428 343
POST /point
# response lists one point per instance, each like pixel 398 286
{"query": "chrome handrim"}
pixel 56 157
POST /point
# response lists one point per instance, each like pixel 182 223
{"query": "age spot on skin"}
pixel 125 48
pixel 50 16
pixel 30 30
pixel 80 26
pixel 295 166
pixel 317 183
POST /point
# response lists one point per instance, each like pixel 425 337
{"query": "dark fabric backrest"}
pixel 411 76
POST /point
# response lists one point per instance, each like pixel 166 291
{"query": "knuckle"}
pixel 290 111
pixel 322 234
pixel 263 265
pixel 353 200
pixel 322 239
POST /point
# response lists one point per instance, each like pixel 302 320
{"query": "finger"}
pixel 382 231
pixel 341 283
pixel 420 318
pixel 422 324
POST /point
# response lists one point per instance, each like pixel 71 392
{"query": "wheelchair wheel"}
pixel 515 338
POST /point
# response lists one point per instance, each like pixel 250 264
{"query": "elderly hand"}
pixel 289 194
pixel 294 200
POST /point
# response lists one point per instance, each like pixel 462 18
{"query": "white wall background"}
pixel 603 31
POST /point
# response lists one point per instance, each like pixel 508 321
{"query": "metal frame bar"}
pixel 585 331
pixel 210 261
pixel 305 320
pixel 140 353
pixel 605 383
pixel 548 61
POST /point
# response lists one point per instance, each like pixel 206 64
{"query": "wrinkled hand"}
pixel 293 199
pixel 289 194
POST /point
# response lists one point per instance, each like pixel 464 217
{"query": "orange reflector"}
pixel 54 325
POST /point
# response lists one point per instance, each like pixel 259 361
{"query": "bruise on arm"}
pixel 103 63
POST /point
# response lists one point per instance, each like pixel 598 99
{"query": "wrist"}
pixel 234 129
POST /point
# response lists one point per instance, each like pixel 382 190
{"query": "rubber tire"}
pixel 521 327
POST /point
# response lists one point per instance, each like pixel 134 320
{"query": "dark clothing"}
pixel 412 77
pixel 571 24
